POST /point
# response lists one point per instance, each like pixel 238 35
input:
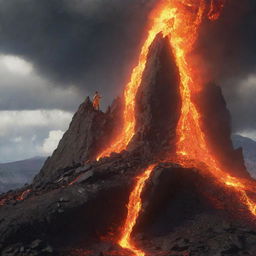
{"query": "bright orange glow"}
pixel 2 202
pixel 134 208
pixel 250 204
pixel 216 7
pixel 180 21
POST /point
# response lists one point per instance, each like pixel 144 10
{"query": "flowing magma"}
pixel 179 21
pixel 134 207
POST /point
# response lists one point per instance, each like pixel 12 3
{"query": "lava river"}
pixel 180 21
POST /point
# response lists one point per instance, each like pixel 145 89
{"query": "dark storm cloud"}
pixel 87 42
pixel 93 44
pixel 229 49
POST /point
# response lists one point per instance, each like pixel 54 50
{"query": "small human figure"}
pixel 96 101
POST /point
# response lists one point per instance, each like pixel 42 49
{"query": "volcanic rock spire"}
pixel 158 102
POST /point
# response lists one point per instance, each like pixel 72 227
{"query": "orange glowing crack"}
pixel 134 208
pixel 23 195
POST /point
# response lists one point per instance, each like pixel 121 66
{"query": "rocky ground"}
pixel 185 212
pixel 76 206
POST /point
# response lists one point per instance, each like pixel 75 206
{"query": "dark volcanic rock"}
pixel 216 123
pixel 72 214
pixel 181 209
pixel 89 131
pixel 158 101
pixel 175 195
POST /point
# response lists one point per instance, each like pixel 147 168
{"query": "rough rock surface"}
pixel 88 132
pixel 77 212
pixel 76 206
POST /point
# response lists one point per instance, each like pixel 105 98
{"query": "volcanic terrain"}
pixel 155 175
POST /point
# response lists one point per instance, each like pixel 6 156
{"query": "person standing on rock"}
pixel 96 101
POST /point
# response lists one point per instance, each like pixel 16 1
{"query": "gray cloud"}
pixel 89 43
pixel 24 134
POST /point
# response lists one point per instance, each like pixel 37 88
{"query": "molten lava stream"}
pixel 192 143
pixel 160 24
pixel 180 20
pixel 134 208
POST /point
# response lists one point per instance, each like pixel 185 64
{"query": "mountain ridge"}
pixel 16 174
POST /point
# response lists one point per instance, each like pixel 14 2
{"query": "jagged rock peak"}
pixel 158 101
pixel 88 132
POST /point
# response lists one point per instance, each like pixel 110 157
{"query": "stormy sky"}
pixel 53 53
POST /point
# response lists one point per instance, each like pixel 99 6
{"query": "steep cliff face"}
pixel 88 132
pixel 216 123
pixel 157 113
pixel 76 202
pixel 158 102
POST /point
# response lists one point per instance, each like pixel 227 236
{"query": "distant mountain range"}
pixel 249 151
pixel 16 174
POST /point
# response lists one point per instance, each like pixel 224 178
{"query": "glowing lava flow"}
pixel 160 24
pixel 191 139
pixel 134 208
pixel 180 20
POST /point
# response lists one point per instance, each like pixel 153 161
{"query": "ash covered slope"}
pixel 72 205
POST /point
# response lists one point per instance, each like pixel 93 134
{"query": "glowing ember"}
pixel 134 208
pixel 23 195
pixel 19 197
pixel 216 7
